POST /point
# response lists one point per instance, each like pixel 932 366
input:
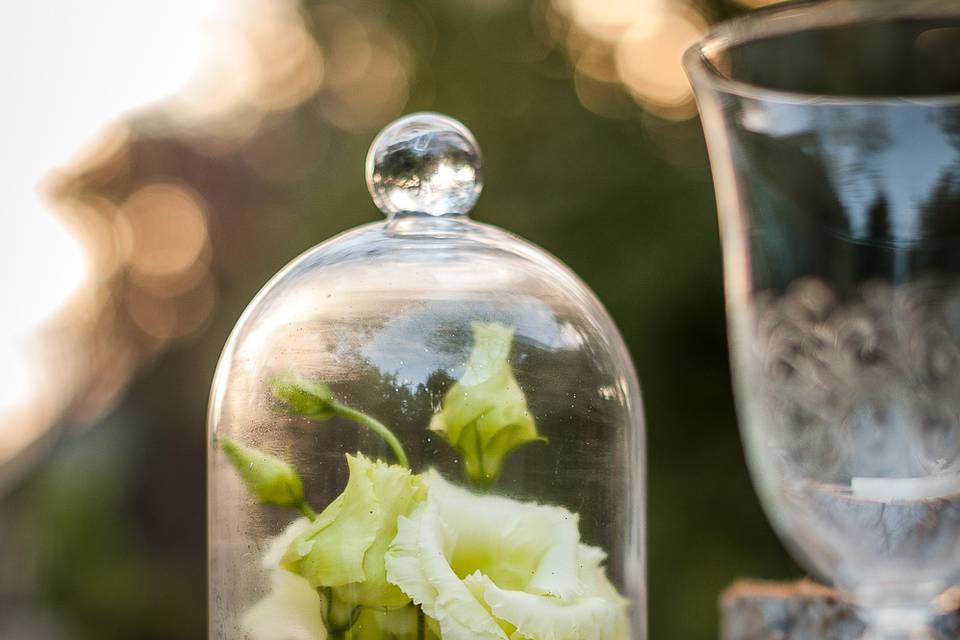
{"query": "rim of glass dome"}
pixel 792 17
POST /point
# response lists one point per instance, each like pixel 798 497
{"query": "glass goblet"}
pixel 834 136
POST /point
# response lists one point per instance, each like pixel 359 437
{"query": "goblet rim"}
pixel 793 17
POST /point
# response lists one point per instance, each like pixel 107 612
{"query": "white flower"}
pixel 487 567
pixel 292 610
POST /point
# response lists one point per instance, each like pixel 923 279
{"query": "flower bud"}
pixel 269 478
pixel 310 399
pixel 485 415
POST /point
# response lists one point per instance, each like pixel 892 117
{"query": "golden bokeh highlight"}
pixel 291 63
pixel 168 229
pixel 151 314
pixel 649 61
pixel 119 267
pixel 607 20
pixel 224 85
pixel 636 45
pixel 605 98
pixel 126 256
pixel 368 82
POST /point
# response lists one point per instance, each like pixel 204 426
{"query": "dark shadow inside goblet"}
pixel 902 57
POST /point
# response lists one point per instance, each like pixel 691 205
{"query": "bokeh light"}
pixel 607 20
pixel 167 228
pixel 369 78
pixel 636 45
pixel 81 261
pixel 648 60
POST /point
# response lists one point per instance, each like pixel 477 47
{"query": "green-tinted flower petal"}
pixel 330 552
pixel 344 548
pixel 485 414
pixel 269 478
pixel 398 492
pixel 293 610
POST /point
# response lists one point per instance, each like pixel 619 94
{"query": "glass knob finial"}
pixel 425 163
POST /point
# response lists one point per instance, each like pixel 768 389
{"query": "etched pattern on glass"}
pixel 858 415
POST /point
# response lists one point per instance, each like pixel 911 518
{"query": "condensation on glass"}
pixel 426 427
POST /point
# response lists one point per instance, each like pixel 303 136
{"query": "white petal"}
pixel 591 617
pixel 521 532
pixel 490 567
pixel 278 545
pixel 416 562
pixel 402 560
pixel 291 611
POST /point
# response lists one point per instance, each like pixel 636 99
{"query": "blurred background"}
pixel 162 160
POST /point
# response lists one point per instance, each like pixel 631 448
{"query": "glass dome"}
pixel 426 428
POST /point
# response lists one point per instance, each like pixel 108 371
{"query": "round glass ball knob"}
pixel 425 163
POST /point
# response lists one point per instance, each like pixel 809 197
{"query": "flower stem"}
pixel 421 623
pixel 374 425
pixel 474 466
pixel 307 510
pixel 315 400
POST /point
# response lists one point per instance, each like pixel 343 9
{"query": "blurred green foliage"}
pixel 110 530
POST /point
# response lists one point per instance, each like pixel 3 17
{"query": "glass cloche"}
pixel 426 428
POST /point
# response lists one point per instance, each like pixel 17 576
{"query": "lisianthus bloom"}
pixel 487 567
pixel 342 551
pixel 294 610
pixel 485 415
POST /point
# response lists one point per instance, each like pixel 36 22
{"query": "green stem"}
pixel 478 477
pixel 421 623
pixel 374 425
pixel 307 510
pixel 315 400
